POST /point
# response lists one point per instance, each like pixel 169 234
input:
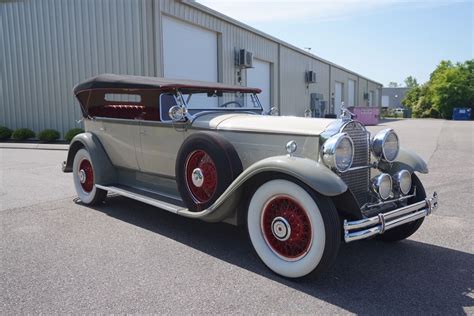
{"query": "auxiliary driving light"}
pixel 382 185
pixel 403 181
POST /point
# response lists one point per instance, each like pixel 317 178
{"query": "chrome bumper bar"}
pixel 367 227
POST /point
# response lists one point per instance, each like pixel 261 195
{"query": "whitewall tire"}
pixel 294 231
pixel 84 180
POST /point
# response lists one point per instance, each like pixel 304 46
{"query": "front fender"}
pixel 408 160
pixel 104 171
pixel 315 175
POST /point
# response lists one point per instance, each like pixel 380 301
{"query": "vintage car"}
pixel 209 151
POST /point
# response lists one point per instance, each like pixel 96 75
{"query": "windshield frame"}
pixel 184 98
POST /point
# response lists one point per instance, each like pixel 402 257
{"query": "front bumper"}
pixel 367 227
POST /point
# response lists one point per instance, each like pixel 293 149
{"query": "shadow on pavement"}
pixel 369 277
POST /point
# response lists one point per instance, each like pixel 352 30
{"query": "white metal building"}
pixel 48 46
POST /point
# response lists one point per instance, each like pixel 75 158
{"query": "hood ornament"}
pixel 346 115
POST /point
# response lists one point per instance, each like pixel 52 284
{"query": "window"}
pixel 121 97
pixel 117 103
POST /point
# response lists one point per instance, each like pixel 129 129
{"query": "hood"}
pixel 290 125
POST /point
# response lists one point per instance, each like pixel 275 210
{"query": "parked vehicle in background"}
pixel 398 112
pixel 462 114
pixel 205 150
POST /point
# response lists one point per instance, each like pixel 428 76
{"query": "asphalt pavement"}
pixel 58 256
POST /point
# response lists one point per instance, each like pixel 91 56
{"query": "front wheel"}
pixel 84 180
pixel 295 231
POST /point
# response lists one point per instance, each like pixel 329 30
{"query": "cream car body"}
pixel 287 178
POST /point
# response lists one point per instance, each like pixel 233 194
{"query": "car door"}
pixel 117 120
pixel 120 138
pixel 160 139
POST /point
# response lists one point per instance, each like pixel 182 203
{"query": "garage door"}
pixel 189 52
pixel 338 98
pixel 350 93
pixel 371 98
pixel 259 77
pixel 385 101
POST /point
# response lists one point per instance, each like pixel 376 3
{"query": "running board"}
pixel 147 197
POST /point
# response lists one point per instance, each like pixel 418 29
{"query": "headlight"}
pixel 382 185
pixel 403 181
pixel 337 152
pixel 385 145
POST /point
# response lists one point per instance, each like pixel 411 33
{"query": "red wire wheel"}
pixel 206 164
pixel 286 227
pixel 86 175
pixel 201 176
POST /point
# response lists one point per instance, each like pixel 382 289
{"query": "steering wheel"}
pixel 224 105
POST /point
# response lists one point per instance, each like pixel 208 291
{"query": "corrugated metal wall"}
pixel 48 46
pixel 295 97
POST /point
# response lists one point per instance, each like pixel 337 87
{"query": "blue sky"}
pixel 385 40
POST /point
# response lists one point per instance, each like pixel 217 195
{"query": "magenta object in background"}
pixel 367 115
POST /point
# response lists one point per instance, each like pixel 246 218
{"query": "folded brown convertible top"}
pixel 111 81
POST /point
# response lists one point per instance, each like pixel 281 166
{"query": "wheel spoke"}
pixel 203 192
pixel 86 175
pixel 297 224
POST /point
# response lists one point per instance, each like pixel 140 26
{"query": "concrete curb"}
pixel 34 146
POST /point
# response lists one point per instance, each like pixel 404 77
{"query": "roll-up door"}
pixel 385 101
pixel 337 98
pixel 190 52
pixel 350 93
pixel 259 77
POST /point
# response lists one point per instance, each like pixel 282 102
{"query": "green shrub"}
pixel 71 133
pixel 22 134
pixel 49 135
pixel 5 133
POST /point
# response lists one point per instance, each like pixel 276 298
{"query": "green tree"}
pixel 412 97
pixel 410 82
pixel 450 85
pixel 392 84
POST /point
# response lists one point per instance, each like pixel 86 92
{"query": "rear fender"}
pixel 104 171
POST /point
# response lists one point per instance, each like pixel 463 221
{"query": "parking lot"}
pixel 58 256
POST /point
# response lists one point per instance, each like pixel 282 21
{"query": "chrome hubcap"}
pixel 198 177
pixel 82 176
pixel 281 228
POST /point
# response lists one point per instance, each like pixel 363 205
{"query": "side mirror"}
pixel 177 113
pixel 273 111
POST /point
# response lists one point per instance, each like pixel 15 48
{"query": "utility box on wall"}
pixel 310 77
pixel 244 59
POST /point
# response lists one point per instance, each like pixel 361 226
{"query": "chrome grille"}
pixel 358 180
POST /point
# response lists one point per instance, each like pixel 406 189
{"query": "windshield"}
pixel 222 101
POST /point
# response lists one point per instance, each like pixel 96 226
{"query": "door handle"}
pixel 102 129
pixel 142 132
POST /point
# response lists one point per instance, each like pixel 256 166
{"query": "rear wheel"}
pixel 295 232
pixel 405 231
pixel 84 180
